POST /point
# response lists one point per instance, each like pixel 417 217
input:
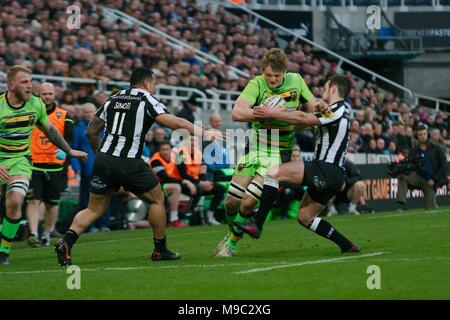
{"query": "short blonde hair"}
pixel 276 59
pixel 14 70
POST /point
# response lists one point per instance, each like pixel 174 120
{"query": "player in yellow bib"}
pixel 270 142
pixel 20 113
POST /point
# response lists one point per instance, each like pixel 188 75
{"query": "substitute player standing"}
pixel 127 117
pixel 270 141
pixel 48 169
pixel 20 113
pixel 324 176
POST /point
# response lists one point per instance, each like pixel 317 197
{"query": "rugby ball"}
pixel 275 102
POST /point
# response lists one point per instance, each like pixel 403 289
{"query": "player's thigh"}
pixel 253 193
pixel 289 172
pixel 237 189
pixel 155 195
pixel 99 203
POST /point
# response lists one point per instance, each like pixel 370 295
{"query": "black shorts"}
pixel 324 180
pixel 46 186
pixel 110 173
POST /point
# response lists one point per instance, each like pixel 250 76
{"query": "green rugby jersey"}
pixel 294 91
pixel 17 124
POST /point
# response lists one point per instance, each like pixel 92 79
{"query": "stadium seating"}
pixel 107 51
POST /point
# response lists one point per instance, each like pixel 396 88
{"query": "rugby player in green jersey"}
pixel 270 142
pixel 20 112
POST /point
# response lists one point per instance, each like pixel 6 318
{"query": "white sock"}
pixel 352 207
pixel 210 214
pixel 332 208
pixel 46 235
pixel 173 216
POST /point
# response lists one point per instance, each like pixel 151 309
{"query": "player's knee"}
pixel 34 202
pixel 360 186
pixel 247 205
pixel 14 200
pixel 231 204
pixel 303 219
pixel 173 188
pixel 157 197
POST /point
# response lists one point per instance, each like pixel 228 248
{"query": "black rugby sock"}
pixel 326 230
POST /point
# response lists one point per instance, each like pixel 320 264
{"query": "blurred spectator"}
pixel 380 146
pixel 164 166
pixel 215 154
pixel 191 168
pixel 392 148
pixel 432 175
pixel 146 151
pixel 189 108
pixel 289 192
pixel 352 192
pixel 84 168
pixel 436 138
pixel 155 142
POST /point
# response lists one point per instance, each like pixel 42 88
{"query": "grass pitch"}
pixel 412 250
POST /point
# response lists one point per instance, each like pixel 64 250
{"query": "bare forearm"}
pixel 56 138
pixel 243 115
pixel 190 127
pixel 298 118
pixel 293 117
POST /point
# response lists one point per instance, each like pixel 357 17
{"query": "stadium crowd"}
pixel 33 34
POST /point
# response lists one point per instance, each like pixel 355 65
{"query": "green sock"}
pixel 236 234
pixel 9 230
pixel 230 218
pixel 233 241
pixel 239 218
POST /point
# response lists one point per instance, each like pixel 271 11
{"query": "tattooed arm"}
pixel 54 136
pixel 95 126
pixel 57 139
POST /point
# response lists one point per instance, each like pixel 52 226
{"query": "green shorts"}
pixel 20 166
pixel 259 161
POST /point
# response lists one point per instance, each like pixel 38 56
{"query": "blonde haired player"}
pixel 270 142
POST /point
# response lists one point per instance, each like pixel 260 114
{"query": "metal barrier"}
pixel 436 4
pixel 174 95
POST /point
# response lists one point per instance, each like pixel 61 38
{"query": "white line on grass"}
pixel 395 215
pixel 149 237
pixel 216 265
pixel 304 263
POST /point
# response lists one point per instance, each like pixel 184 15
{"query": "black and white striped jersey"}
pixel 332 134
pixel 128 114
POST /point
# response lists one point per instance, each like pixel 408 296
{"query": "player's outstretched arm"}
pixel 292 117
pixel 174 122
pixel 95 126
pixel 57 139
